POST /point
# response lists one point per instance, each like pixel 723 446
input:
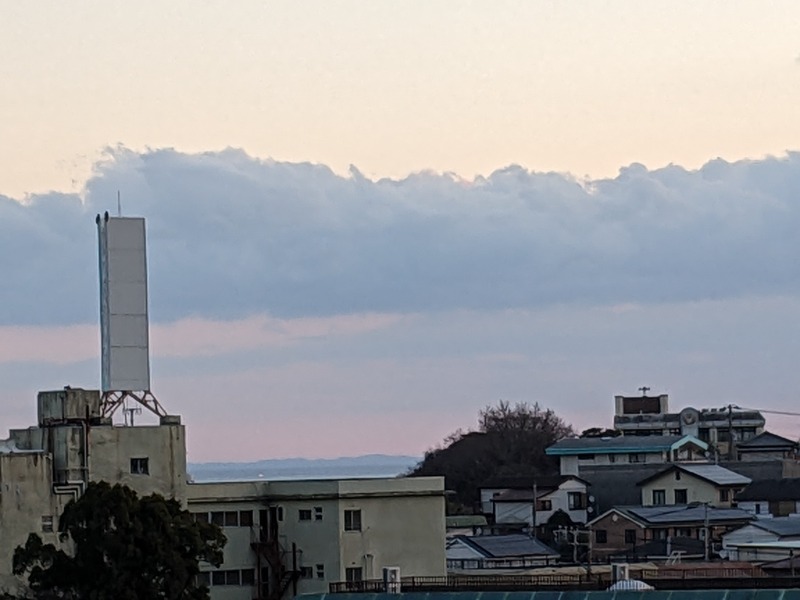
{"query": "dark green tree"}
pixel 510 443
pixel 122 546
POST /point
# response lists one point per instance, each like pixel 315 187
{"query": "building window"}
pixel 683 532
pixel 318 513
pixel 47 523
pixel 203 578
pixel 320 571
pixel 612 458
pixel 140 466
pixel 231 518
pixel 659 497
pixel 306 572
pixel 218 518
pixel 675 431
pixel 304 514
pixel 630 536
pixel 637 457
pixel 353 574
pixel 246 518
pixel 201 517
pixel 545 505
pixel 586 457
pixel 758 508
pixel 218 578
pixel 660 534
pixel 575 501
pixel 232 578
pixel 681 496
pixel 600 536
pixel 248 576
pixel 352 520
pixel 724 495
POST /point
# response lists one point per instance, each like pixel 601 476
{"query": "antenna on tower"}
pixel 119 204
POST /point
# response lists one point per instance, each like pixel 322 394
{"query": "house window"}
pixel 304 514
pixel 630 536
pixel 724 495
pixel 575 501
pixel 659 497
pixel 660 534
pixel 231 518
pixel 320 571
pixel 248 576
pixel 218 518
pixel 352 520
pixel 306 572
pixel 586 457
pixel 218 578
pixel 637 457
pixel 318 513
pixel 758 508
pixel 246 518
pixel 681 496
pixel 201 517
pixel 545 505
pixel 232 578
pixel 203 578
pixel 140 466
pixel 47 523
pixel 353 574
pixel 600 536
pixel 683 532
pixel 612 458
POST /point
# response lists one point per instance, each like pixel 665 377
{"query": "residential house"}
pixel 692 483
pixel 623 530
pixel 771 497
pixel 511 501
pixel 740 543
pixel 515 551
pixel 577 453
pixel 767 446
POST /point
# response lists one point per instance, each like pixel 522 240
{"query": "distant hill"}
pixel 371 465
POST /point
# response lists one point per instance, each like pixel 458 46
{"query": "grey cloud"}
pixel 231 235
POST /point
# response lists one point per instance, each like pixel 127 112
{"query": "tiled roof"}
pixel 502 546
pixel 713 473
pixel 771 490
pixel 691 514
pixel 619 444
pixel 781 526
pixel 518 483
pixel 767 440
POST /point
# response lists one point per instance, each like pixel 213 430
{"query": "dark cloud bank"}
pixel 230 235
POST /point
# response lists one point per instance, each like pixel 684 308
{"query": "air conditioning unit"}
pixel 619 572
pixel 391 580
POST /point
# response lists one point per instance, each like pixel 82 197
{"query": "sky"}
pixel 368 220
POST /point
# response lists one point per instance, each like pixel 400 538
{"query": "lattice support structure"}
pixel 111 401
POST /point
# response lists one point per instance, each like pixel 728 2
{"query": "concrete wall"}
pixel 26 500
pixel 111 449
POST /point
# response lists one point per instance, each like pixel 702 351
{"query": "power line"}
pixel 774 412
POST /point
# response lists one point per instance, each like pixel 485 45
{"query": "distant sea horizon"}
pixel 283 469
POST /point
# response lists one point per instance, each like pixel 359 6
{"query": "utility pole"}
pixel 706 533
pixel 533 512
pixel 730 432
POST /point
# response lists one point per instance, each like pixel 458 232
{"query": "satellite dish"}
pixel 591 498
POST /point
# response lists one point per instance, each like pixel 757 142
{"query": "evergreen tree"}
pixel 121 546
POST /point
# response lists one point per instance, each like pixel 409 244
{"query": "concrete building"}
pixel 692 483
pixel 284 538
pixel 576 454
pixel 767 446
pixel 650 415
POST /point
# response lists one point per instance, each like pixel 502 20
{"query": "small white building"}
pixel 512 501
pixel 692 483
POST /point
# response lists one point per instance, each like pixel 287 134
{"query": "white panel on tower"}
pixel 123 304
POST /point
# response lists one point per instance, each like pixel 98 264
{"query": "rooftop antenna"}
pixel 119 204
pixel 644 389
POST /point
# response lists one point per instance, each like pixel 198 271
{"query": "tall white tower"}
pixel 124 326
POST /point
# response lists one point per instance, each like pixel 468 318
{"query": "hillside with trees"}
pixel 510 442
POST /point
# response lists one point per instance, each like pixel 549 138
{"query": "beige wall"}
pixel 697 490
pixel 111 449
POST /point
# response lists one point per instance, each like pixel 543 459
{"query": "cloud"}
pixel 231 236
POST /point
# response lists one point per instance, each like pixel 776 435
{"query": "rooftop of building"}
pixel 679 514
pixel 767 440
pixel 780 526
pixel 715 474
pixel 622 444
pixel 505 546
pixel 524 483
